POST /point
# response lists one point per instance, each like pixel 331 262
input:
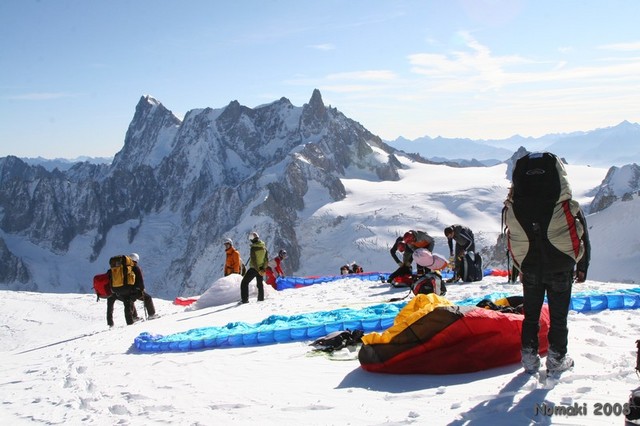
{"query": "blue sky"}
pixel 72 72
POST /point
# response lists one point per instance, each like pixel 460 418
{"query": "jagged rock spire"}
pixel 314 113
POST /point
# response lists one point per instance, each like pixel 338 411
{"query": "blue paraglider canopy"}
pixel 274 329
pixel 284 283
pixel 279 328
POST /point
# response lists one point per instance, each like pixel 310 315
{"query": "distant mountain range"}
pixel 611 146
pixel 64 164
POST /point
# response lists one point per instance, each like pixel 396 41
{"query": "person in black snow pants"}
pixel 258 262
pixel 111 300
pixel 465 242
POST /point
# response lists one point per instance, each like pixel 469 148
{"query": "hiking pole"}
pixel 397 299
pixel 144 305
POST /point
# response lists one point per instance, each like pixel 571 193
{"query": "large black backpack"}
pixel 471 267
pixel 430 282
pixel 541 221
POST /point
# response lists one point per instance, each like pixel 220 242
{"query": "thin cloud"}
pixel 477 64
pixel 623 47
pixel 324 47
pixel 478 69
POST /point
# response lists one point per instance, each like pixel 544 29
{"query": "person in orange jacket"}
pixel 233 264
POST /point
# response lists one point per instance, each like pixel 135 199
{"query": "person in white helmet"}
pixel 139 292
pixel 233 264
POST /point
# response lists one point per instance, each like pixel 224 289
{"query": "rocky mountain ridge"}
pixel 183 183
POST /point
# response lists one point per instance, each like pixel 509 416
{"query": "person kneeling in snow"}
pixel 274 269
pixel 404 265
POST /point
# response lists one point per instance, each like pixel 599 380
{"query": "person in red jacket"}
pixel 274 269
pixel 414 240
pixel 418 239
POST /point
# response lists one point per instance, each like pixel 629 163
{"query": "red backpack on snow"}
pixel 101 286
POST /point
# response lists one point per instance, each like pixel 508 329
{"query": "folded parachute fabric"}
pixel 432 336
pixel 598 301
pixel 185 301
pixel 586 301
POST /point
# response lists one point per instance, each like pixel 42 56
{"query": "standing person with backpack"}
pixel 233 264
pixel 463 237
pixel 549 244
pixel 258 260
pixel 103 289
pixel 274 269
pixel 127 284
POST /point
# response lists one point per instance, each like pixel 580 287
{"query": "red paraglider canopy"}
pixel 432 336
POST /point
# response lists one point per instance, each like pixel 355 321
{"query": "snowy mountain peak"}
pixel 621 183
pixel 149 136
pixel 151 100
pixel 178 186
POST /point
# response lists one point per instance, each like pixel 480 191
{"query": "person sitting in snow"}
pixel 274 269
pixel 233 264
pixel 404 265
pixel 356 269
pixel 345 269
